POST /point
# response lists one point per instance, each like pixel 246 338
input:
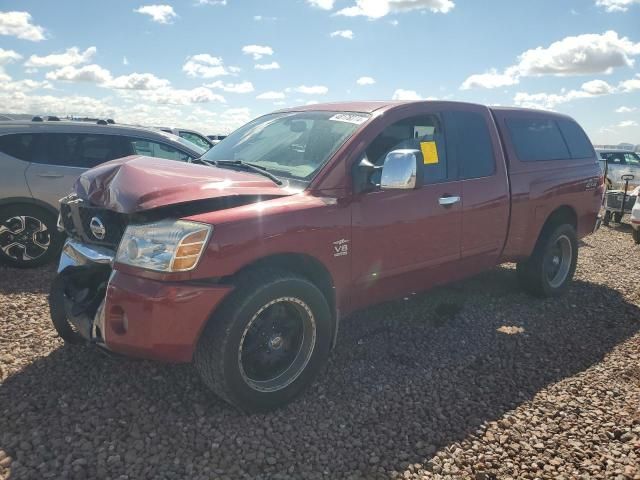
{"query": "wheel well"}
pixel 303 265
pixel 562 215
pixel 32 202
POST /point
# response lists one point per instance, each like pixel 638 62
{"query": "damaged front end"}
pixel 78 293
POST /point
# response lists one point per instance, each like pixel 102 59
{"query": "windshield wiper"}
pixel 240 164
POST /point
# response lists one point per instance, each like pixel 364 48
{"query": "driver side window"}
pixel 423 133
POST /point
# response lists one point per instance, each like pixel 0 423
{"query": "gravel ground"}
pixel 476 380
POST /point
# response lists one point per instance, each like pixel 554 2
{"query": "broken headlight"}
pixel 165 246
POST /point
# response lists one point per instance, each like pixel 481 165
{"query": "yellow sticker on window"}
pixel 429 152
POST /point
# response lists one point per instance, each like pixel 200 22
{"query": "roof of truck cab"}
pixel 373 106
pixel 366 106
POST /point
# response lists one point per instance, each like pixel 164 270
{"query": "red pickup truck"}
pixel 246 261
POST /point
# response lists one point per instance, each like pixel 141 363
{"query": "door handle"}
pixel 50 175
pixel 448 201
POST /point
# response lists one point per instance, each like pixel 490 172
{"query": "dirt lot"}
pixel 475 380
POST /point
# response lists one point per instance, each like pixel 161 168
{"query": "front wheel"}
pixel 28 236
pixel 551 267
pixel 267 343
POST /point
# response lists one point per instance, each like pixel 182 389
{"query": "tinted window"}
pixel 469 137
pixel 537 139
pixel 18 145
pixel 76 149
pixel 577 141
pixel 424 133
pixel 195 138
pixel 150 148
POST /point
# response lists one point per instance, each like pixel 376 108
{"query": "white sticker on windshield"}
pixel 349 118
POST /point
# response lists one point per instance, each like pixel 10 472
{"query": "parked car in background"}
pixel 617 163
pixel 246 263
pixel 194 137
pixel 39 163
pixel 216 138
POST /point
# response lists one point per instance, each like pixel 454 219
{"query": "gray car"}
pixel 618 163
pixel 40 161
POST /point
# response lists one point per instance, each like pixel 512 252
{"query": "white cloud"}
pixel 597 87
pixel 243 87
pixel 163 14
pixel 322 4
pixel 616 5
pixel 548 101
pixel 204 65
pixel 26 85
pixel 348 34
pixel 6 57
pixel 271 96
pixel 267 66
pixel 72 56
pixel 630 85
pixel 88 73
pixel 171 96
pixel 379 8
pixel 628 123
pixel 138 81
pixel 18 24
pixel 401 94
pixel 257 51
pixel 365 81
pixel 313 90
pixel 580 55
pixel 491 79
pixel 626 109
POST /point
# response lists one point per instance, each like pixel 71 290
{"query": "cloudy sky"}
pixel 215 64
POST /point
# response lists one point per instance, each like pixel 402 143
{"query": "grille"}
pixel 76 218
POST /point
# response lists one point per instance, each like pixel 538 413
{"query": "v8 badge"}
pixel 341 248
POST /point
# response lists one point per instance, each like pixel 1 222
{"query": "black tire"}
pixel 40 246
pixel 636 235
pixel 534 272
pixel 606 219
pixel 617 217
pixel 219 354
pixel 65 330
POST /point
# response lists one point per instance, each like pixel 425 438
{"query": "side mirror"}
pixel 402 170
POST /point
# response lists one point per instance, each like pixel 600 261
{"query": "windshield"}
pixel 192 146
pixel 292 145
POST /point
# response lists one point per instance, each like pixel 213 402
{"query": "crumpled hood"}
pixel 136 183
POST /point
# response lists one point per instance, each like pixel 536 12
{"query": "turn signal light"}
pixel 189 251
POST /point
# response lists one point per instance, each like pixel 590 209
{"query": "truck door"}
pixel 483 179
pixel 407 240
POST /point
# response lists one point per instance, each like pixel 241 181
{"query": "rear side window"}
pixel 149 148
pixel 537 139
pixel 196 139
pixel 577 141
pixel 469 137
pixel 77 149
pixel 18 145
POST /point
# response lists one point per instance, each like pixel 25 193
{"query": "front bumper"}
pixel 133 315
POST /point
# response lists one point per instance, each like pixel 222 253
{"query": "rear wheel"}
pixel 551 266
pixel 617 217
pixel 636 235
pixel 606 219
pixel 267 342
pixel 28 236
